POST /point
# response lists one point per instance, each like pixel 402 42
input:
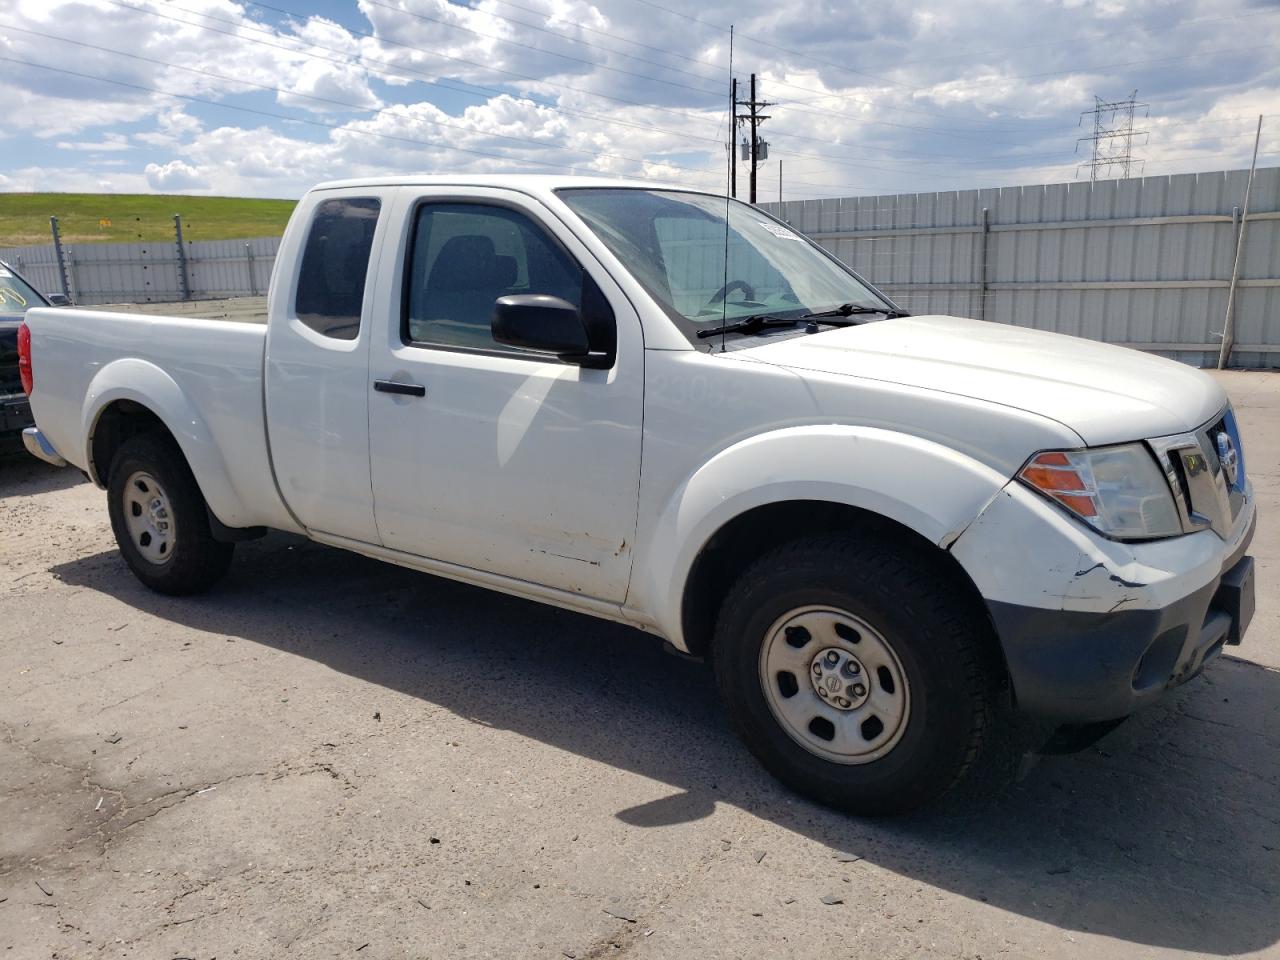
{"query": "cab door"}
pixel 317 367
pixel 490 456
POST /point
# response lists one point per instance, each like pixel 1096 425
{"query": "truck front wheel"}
pixel 854 670
pixel 159 518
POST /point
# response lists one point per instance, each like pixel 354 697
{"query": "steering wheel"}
pixel 748 291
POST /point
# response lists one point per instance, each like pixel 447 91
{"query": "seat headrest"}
pixel 462 263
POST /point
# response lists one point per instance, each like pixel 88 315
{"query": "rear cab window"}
pixel 335 266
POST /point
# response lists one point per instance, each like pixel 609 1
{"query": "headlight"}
pixel 1119 491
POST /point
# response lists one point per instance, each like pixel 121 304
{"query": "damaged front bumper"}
pixel 1094 629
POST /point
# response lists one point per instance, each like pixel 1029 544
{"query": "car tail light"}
pixel 24 359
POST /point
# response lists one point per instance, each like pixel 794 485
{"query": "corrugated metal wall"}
pixel 150 272
pixel 1145 262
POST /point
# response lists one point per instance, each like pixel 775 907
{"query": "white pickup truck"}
pixel 668 409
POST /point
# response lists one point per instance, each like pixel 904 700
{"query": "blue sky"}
pixel 263 99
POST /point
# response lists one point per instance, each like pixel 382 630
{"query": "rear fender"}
pixel 923 485
pixel 149 386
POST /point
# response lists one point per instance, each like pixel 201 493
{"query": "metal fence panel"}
pixel 1144 261
pixel 150 272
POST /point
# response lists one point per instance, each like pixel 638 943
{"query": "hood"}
pixel 1105 393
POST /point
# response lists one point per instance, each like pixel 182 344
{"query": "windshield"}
pixel 15 294
pixel 674 244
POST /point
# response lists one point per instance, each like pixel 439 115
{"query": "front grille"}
pixel 1206 496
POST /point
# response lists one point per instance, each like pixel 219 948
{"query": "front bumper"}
pixel 1077 667
pixel 1092 629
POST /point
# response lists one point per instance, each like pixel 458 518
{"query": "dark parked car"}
pixel 16 296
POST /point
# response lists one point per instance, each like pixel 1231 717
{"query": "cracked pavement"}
pixel 328 756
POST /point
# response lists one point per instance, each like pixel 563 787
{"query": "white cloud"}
pixel 31 179
pixel 110 143
pixel 173 176
pixel 866 98
pixel 172 127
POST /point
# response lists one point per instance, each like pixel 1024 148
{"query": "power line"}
pixel 444 123
pixel 979 124
pixel 844 160
pixel 776 81
pixel 822 95
pixel 614 36
pixel 846 187
pixel 529 46
pixel 395 69
pixel 668 67
pixel 562 36
pixel 349 129
pixel 1072 41
pixel 932 156
pixel 808 58
pixel 853 159
pixel 1103 67
pixel 384 111
pixel 881 78
pixel 310 121
pixel 363 61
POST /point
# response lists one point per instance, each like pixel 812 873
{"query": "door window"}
pixel 463 257
pixel 335 263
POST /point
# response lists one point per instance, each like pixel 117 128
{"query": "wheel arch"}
pixel 133 396
pixel 794 482
pixel 737 544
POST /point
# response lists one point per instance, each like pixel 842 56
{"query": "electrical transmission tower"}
pixel 1112 138
pixel 757 149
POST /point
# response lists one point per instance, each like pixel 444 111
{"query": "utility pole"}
pixel 1113 135
pixel 1228 332
pixel 757 150
pixel 733 138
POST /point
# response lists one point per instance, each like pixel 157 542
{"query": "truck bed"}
pixel 236 309
pixel 201 375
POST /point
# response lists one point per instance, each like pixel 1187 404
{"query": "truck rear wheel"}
pixel 159 518
pixel 854 671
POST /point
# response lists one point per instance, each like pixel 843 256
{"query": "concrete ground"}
pixel 327 756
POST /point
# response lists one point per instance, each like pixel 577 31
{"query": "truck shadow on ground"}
pixel 1165 834
pixel 23 475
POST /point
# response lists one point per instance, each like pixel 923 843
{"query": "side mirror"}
pixel 539 322
pixel 58 300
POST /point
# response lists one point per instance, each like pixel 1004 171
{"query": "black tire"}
pixel 197 560
pixel 933 628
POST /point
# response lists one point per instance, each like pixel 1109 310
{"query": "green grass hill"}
pixel 130 218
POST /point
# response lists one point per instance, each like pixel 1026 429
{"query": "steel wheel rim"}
pixel 148 517
pixel 821 647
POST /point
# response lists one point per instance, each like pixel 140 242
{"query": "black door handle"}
pixel 405 389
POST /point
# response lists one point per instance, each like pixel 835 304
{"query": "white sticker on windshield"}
pixel 779 231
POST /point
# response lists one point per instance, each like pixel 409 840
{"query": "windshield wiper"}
pixel 849 309
pixel 836 317
pixel 752 324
